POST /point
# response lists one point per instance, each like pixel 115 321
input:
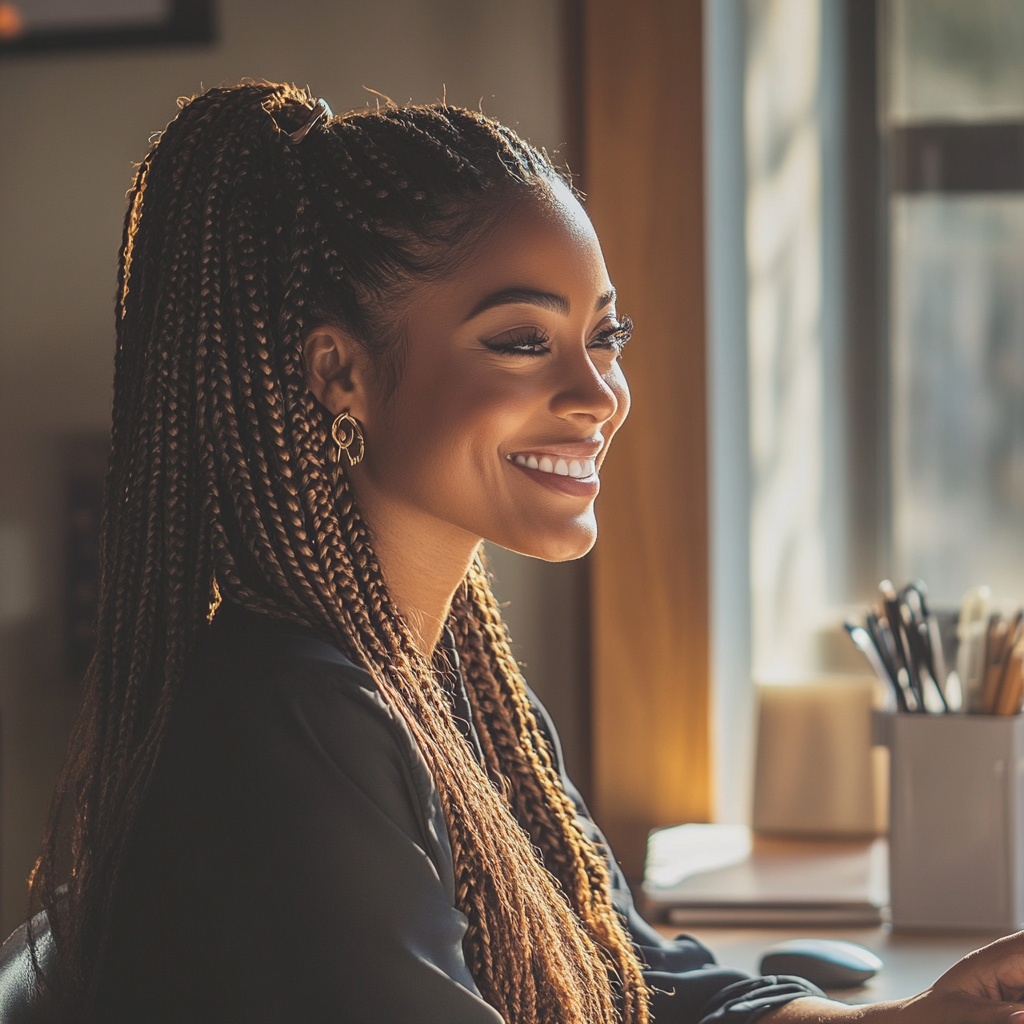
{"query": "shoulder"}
pixel 280 711
pixel 243 651
pixel 289 800
pixel 247 661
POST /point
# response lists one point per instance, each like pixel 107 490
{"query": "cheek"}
pixel 455 423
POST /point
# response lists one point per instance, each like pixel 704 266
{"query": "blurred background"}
pixel 814 213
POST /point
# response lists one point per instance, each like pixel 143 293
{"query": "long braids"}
pixel 219 482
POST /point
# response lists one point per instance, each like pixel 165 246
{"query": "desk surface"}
pixel 912 961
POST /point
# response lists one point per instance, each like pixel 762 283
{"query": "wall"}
pixel 72 126
pixel 645 178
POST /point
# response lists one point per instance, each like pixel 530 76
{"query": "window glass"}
pixel 956 59
pixel 958 391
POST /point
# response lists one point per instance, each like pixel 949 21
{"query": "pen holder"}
pixel 956 835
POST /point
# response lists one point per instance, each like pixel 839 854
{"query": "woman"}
pixel 307 782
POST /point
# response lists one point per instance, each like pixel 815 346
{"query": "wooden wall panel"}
pixel 644 177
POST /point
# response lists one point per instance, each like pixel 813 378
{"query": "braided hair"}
pixel 236 241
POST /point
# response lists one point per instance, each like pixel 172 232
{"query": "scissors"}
pixel 917 626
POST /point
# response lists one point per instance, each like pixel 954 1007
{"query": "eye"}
pixel 614 337
pixel 526 342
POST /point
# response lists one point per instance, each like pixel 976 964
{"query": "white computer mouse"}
pixel 827 963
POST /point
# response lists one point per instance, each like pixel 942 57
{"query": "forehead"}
pixel 545 241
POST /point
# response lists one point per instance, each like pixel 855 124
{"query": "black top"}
pixel 291 861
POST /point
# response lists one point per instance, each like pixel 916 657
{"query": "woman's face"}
pixel 510 390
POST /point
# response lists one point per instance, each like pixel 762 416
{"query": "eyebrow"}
pixel 532 297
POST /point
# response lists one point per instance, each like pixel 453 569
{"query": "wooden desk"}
pixel 912 962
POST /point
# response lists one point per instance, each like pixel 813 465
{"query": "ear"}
pixel 336 370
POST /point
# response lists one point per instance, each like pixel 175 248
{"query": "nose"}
pixel 581 391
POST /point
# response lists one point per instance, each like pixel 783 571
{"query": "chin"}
pixel 561 545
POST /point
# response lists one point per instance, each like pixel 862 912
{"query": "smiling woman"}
pixel 307 781
pixel 509 383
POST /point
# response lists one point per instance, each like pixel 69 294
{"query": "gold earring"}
pixel 347 432
pixel 215 599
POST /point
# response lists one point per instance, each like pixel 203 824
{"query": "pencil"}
pixel 1012 689
pixel 995 661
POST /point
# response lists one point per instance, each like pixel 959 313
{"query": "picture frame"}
pixel 46 26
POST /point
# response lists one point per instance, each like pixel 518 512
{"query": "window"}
pixel 954 118
pixel 871 389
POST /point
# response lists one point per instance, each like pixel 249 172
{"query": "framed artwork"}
pixel 28 26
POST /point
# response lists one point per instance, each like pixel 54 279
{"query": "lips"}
pixel 567 467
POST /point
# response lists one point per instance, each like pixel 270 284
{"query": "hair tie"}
pixel 318 112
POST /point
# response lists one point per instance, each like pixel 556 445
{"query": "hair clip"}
pixel 320 111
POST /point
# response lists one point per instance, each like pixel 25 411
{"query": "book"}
pixel 723 875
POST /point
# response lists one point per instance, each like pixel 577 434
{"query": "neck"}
pixel 423 562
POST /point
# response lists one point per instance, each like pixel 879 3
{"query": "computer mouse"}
pixel 827 963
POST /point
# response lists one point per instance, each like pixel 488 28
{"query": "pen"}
pixel 904 660
pixel 860 636
pixel 971 630
pixel 880 632
pixel 911 606
pixel 940 672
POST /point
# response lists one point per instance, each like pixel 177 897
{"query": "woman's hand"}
pixel 986 987
pixel 994 973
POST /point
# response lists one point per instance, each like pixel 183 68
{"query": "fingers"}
pixel 965 1009
pixel 994 972
pixel 954 1007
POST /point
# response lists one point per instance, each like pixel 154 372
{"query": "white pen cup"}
pixel 956 833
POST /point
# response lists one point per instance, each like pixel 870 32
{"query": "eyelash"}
pixel 532 343
pixel 616 337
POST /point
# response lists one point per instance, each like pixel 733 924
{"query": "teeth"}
pixel 575 468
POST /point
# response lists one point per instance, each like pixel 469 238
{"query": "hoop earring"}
pixel 347 432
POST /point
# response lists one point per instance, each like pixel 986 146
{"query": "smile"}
pixel 578 469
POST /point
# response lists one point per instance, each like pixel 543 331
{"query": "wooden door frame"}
pixel 642 138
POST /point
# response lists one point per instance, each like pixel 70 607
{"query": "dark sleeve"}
pixel 323 891
pixel 687 985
